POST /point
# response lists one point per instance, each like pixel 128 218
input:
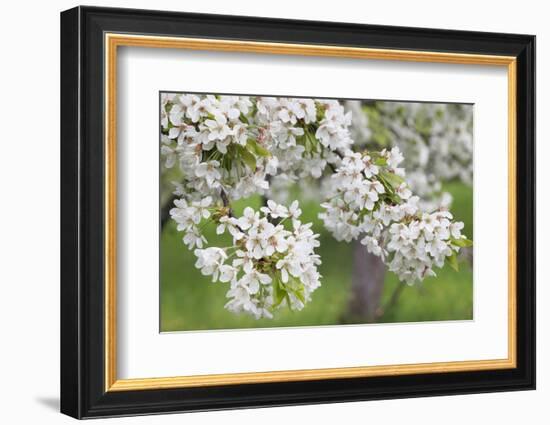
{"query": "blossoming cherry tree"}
pixel 232 147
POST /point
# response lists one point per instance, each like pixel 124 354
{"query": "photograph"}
pixel 281 211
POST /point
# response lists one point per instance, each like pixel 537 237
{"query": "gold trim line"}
pixel 306 375
pixel 113 41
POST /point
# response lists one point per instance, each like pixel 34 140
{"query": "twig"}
pixel 226 203
pixel 332 167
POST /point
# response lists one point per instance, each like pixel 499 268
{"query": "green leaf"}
pixel 309 141
pixel 387 186
pixel 257 148
pixel 392 178
pixel 300 294
pixel 296 288
pixel 249 160
pixel 381 162
pixel 452 260
pixel 247 157
pixel 320 111
pixel 463 243
pixel 278 293
pixel 392 197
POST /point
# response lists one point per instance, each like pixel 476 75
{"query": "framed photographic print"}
pixel 261 212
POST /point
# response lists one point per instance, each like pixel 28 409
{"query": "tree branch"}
pixel 226 203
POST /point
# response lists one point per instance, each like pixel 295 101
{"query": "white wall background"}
pixel 29 209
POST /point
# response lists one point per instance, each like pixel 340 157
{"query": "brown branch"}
pixel 226 203
pixel 332 167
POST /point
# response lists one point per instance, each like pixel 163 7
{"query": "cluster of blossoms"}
pixel 304 134
pixel 210 140
pixel 436 141
pixel 271 262
pixel 239 143
pixel 369 199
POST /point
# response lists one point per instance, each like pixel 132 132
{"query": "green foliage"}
pixel 246 156
pixel 392 179
pixel 253 146
pixel 452 261
pixel 463 243
pixel 381 135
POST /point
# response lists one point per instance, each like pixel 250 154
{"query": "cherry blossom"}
pixel 380 210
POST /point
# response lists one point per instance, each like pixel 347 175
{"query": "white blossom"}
pixel 264 255
pixel 390 224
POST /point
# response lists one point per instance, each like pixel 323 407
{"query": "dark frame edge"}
pixel 71 350
pixel 526 213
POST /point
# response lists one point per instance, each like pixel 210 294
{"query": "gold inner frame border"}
pixel 111 43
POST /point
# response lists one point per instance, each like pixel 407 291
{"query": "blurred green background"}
pixel 190 301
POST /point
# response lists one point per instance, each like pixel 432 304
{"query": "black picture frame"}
pixel 83 392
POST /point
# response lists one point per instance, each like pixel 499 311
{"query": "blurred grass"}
pixel 190 301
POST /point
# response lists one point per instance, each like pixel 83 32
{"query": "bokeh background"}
pixel 190 301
